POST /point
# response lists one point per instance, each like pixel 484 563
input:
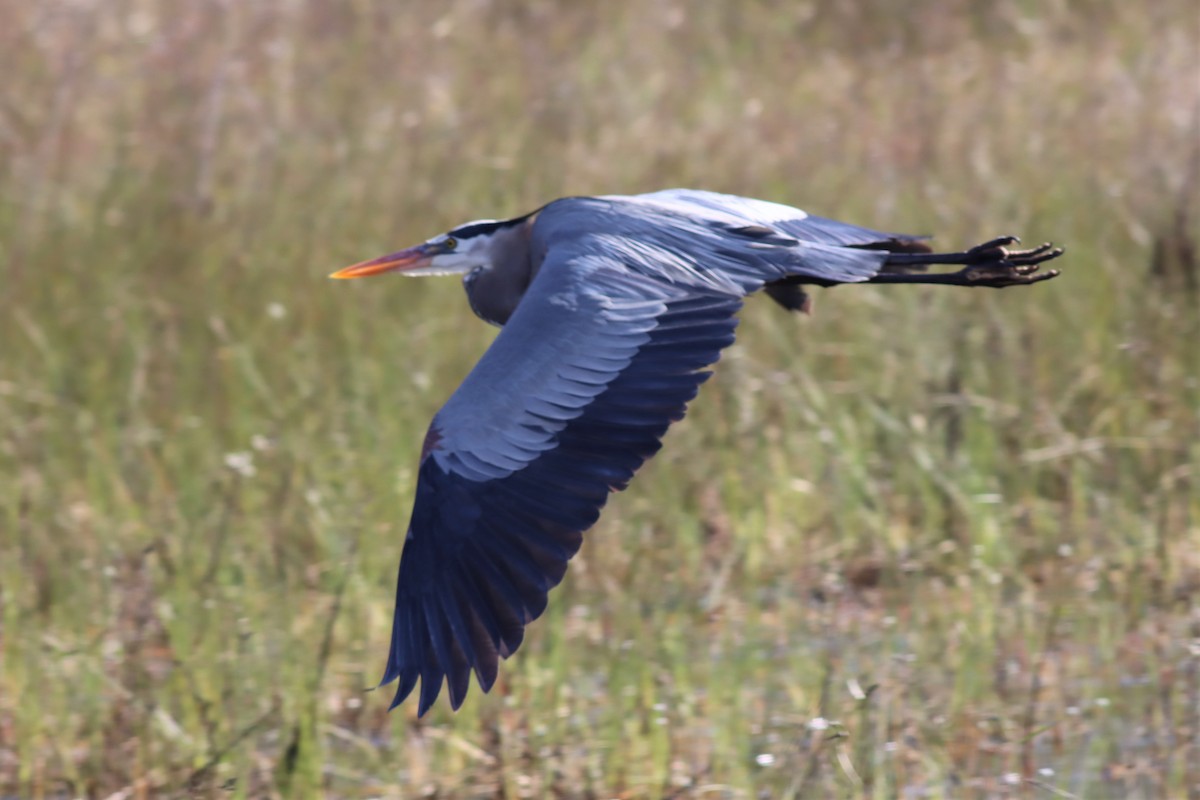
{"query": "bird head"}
pixel 466 248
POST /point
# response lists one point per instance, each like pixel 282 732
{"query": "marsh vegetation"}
pixel 923 543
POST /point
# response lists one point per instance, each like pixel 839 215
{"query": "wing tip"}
pixel 458 688
pixel 473 617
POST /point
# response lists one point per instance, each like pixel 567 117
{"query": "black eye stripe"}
pixel 477 229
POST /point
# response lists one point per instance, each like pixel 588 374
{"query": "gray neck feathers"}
pixel 497 289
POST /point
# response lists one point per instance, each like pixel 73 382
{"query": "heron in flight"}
pixel 612 308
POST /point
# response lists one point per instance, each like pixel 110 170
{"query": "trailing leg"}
pixel 990 264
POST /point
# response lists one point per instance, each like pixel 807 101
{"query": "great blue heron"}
pixel 611 308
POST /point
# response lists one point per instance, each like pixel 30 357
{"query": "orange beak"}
pixel 404 260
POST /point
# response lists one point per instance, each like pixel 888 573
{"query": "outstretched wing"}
pixel 573 395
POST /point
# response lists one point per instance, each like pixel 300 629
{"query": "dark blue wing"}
pixel 588 374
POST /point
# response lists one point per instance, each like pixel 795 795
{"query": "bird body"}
pixel 706 240
pixel 612 307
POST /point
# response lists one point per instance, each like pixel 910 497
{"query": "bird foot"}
pixel 994 265
pixel 990 264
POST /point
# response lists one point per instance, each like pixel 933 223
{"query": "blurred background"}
pixel 923 543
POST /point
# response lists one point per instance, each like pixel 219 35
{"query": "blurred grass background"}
pixel 925 543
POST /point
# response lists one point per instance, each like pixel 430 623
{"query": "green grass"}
pixel 925 543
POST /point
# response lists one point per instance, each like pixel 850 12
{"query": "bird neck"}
pixel 497 290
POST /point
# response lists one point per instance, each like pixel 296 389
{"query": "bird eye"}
pixel 450 243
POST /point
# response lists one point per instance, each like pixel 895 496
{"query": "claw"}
pixel 1043 276
pixel 1000 274
pixel 1034 255
pixel 998 243
pixel 1041 248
